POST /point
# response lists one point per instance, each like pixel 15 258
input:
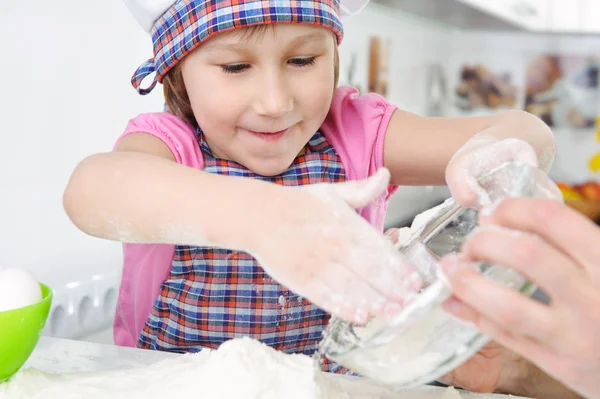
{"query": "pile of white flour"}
pixel 240 369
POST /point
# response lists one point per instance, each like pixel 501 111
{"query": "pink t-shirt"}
pixel 355 127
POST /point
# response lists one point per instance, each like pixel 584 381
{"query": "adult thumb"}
pixel 360 193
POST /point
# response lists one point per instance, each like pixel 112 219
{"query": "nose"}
pixel 274 96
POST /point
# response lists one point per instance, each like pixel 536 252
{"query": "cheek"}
pixel 317 92
pixel 212 104
pixel 318 104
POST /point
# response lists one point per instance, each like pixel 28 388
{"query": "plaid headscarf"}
pixel 188 23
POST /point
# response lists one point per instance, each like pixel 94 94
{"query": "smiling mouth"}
pixel 269 136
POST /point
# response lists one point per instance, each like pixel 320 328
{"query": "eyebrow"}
pixel 240 48
pixel 308 38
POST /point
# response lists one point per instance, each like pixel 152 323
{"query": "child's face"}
pixel 260 96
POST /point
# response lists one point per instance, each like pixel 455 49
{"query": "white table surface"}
pixel 62 356
pixel 54 355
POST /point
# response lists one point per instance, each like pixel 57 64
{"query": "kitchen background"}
pixel 66 67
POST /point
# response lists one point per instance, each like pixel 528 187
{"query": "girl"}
pixel 256 206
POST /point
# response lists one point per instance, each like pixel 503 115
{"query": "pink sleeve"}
pixel 179 136
pixel 356 126
pixel 147 266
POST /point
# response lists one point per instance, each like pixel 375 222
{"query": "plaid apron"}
pixel 213 295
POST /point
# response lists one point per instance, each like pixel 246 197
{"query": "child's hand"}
pixel 483 153
pixel 316 244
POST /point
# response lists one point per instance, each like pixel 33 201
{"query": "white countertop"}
pixel 62 356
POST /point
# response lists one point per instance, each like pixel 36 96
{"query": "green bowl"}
pixel 20 330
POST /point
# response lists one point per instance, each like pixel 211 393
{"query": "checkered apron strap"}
pixel 145 70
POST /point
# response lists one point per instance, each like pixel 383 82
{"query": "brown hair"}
pixel 176 95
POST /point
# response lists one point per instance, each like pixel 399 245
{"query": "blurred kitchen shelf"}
pixel 453 13
pixel 83 307
pixel 547 17
pixel 85 290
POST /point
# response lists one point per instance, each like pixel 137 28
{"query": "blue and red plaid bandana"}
pixel 189 23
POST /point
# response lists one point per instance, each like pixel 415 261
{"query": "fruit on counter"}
pixel 585 191
pixel 584 198
pixel 595 163
pixel 18 289
pixel 590 190
pixel 568 192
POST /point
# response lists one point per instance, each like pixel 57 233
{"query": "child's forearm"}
pixel 140 198
pixel 418 150
pixel 527 127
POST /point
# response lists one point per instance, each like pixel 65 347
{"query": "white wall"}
pixel 416 45
pixel 66 67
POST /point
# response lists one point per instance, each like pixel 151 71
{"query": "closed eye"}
pixel 302 61
pixel 235 68
pixel 297 62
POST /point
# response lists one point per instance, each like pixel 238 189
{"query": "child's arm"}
pixel 310 239
pixel 138 193
pixel 419 151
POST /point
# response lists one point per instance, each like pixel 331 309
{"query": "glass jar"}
pixel 423 342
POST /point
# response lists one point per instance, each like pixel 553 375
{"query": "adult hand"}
pixel 556 248
pixel 493 369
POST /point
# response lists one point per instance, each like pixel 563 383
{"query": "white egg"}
pixel 18 289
